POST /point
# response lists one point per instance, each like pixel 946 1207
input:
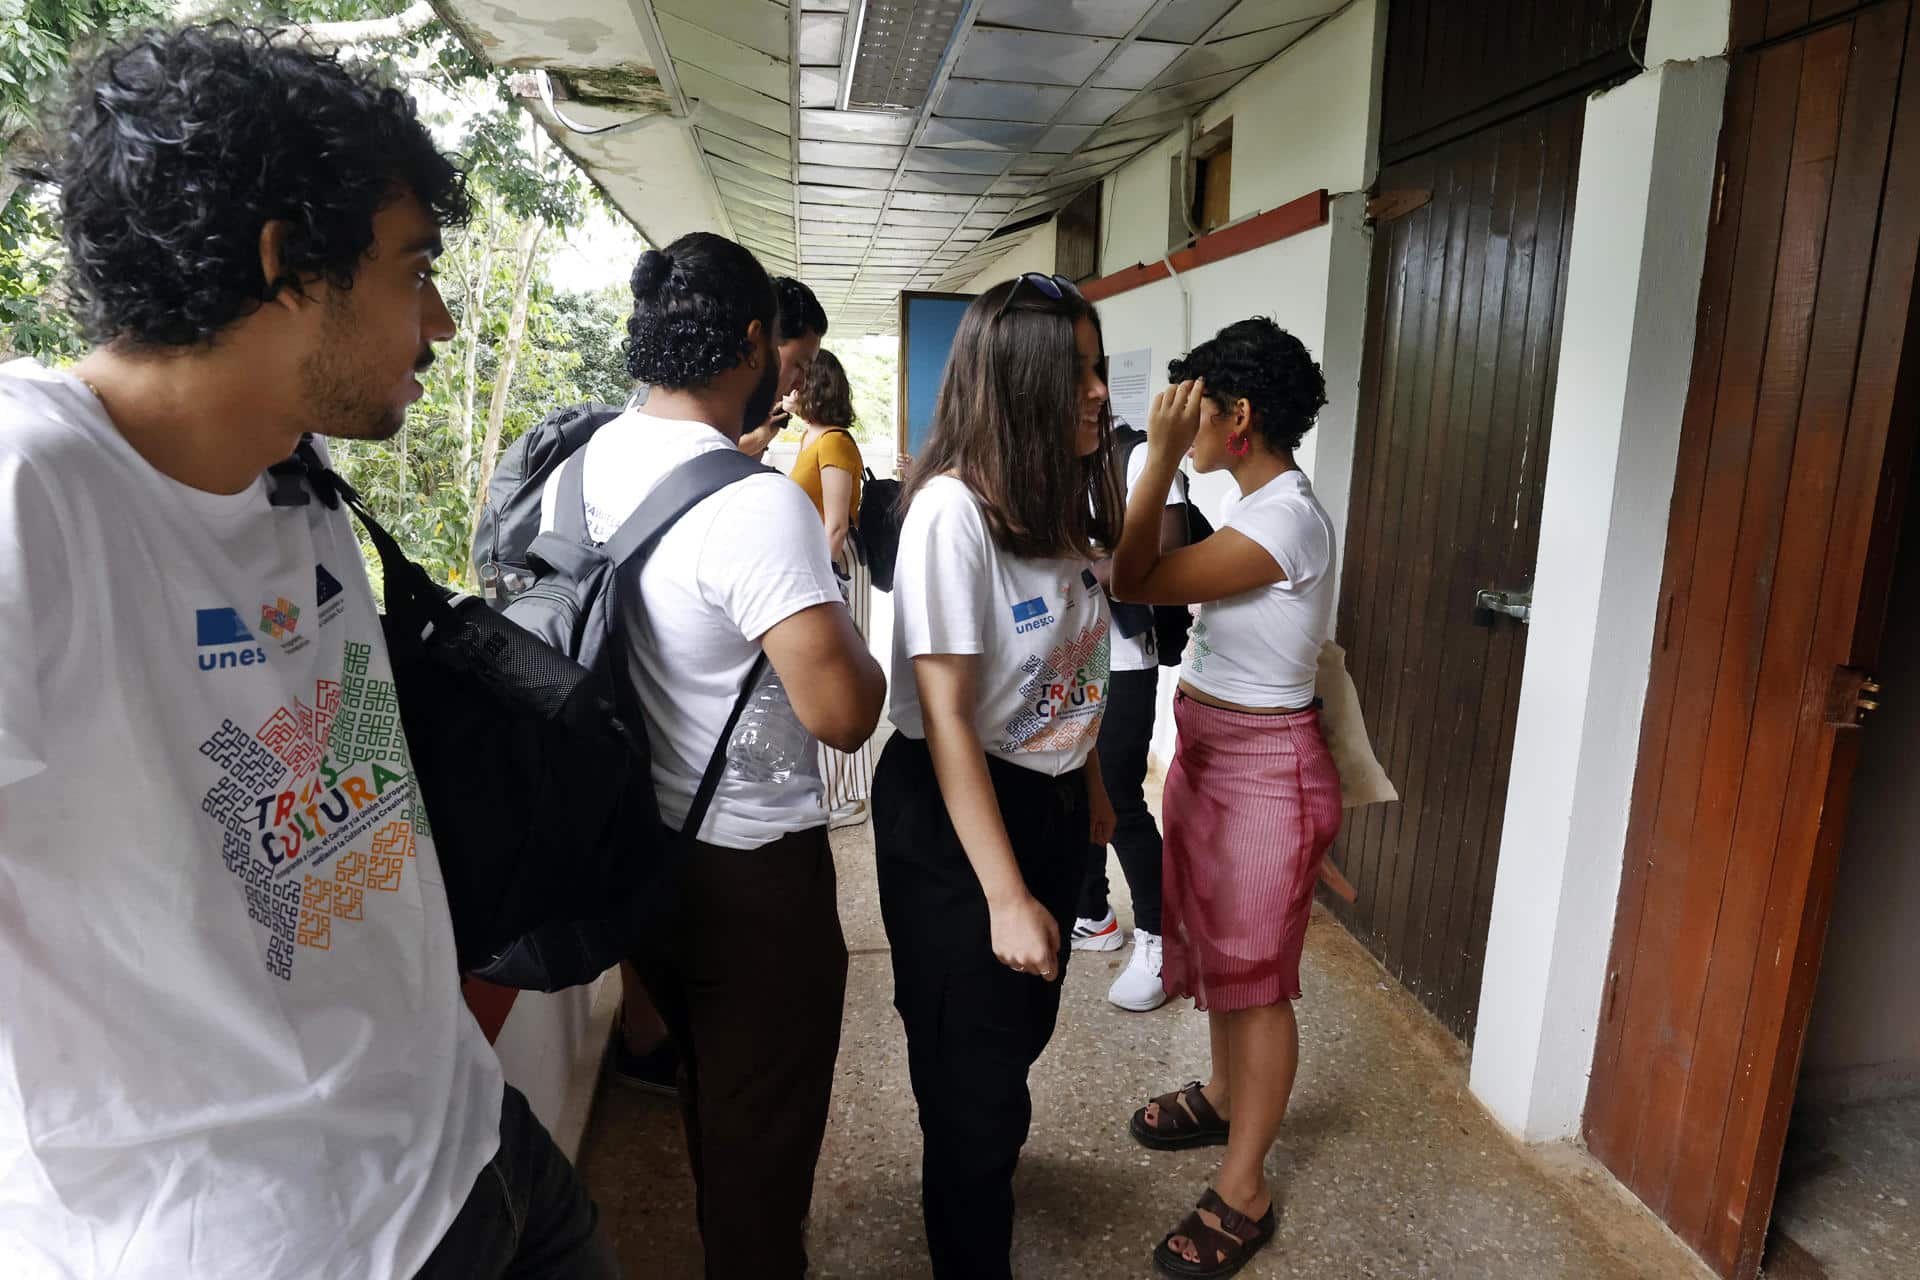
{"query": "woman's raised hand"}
pixel 1174 419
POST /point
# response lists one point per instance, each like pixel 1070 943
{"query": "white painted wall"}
pixel 1036 253
pixel 550 1048
pixel 1683 30
pixel 1865 1038
pixel 1639 244
pixel 1307 120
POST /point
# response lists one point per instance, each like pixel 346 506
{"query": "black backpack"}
pixel 1170 622
pixel 879 527
pixel 510 518
pixel 527 744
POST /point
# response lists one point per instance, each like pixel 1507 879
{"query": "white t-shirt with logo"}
pixel 1040 627
pixel 1262 648
pixel 1141 653
pixel 728 572
pixel 232 1041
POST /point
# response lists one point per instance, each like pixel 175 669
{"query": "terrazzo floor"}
pixel 1386 1166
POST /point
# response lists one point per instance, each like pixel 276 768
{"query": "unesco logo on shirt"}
pixel 1031 615
pixel 225 640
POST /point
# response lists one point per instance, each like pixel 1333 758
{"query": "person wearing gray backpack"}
pixel 750 974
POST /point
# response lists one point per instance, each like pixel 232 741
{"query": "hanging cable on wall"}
pixel 544 82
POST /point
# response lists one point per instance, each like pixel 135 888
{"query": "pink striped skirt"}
pixel 1252 804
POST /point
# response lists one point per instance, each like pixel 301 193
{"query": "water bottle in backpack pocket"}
pixel 769 744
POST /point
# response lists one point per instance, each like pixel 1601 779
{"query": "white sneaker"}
pixel 1138 988
pixel 1098 935
pixel 851 814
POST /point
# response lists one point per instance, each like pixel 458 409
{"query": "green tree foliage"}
pixel 422 482
pixel 32 319
pixel 40 40
pixel 595 326
pixel 873 373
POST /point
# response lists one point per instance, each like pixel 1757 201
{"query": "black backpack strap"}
pixel 717 763
pixel 683 489
pixel 406 582
pixel 680 491
pixel 570 500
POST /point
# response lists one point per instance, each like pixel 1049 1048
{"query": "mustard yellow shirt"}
pixel 833 449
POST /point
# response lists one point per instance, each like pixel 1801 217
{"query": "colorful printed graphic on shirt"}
pixel 224 641
pixel 280 618
pixel 325 585
pixel 1031 615
pixel 317 808
pixel 327 597
pixel 1198 651
pixel 1063 695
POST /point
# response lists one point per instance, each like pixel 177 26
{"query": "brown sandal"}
pixel 1231 1245
pixel 1187 1119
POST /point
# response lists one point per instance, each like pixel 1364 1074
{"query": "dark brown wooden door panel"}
pixel 1456 400
pixel 1455 67
pixel 1747 741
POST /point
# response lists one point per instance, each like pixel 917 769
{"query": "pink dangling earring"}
pixel 1240 445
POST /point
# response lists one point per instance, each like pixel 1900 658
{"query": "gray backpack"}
pixel 574 605
pixel 509 520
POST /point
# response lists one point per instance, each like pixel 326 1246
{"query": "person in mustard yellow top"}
pixel 829 465
pixel 828 469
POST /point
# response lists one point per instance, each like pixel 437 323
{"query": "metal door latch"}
pixel 1869 697
pixel 1517 605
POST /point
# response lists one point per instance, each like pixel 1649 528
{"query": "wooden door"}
pixel 1456 398
pixel 1785 510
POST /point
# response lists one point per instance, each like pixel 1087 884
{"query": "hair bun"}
pixel 651 272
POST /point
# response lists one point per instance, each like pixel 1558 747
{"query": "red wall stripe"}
pixel 1290 219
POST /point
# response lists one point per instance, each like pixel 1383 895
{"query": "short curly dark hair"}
pixel 182 145
pixel 1257 361
pixel 826 398
pixel 692 303
pixel 800 312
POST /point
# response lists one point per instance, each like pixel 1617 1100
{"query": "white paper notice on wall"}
pixel 1129 378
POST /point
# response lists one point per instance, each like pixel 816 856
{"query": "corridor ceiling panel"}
pixel 869 146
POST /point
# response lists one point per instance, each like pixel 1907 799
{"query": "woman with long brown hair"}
pixel 985 799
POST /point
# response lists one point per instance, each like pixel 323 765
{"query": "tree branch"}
pixel 10 182
pixel 336 35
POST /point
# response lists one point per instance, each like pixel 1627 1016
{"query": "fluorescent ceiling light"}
pixel 897 48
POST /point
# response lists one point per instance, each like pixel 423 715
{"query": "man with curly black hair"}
pixel 751 976
pixel 234 1042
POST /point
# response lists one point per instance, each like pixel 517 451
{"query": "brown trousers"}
pixel 751 977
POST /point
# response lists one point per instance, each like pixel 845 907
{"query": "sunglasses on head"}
pixel 1056 288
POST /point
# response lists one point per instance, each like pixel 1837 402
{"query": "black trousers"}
pixel 974 1027
pixel 528 1216
pixel 751 977
pixel 1126 734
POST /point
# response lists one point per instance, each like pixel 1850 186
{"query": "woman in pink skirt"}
pixel 1252 801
